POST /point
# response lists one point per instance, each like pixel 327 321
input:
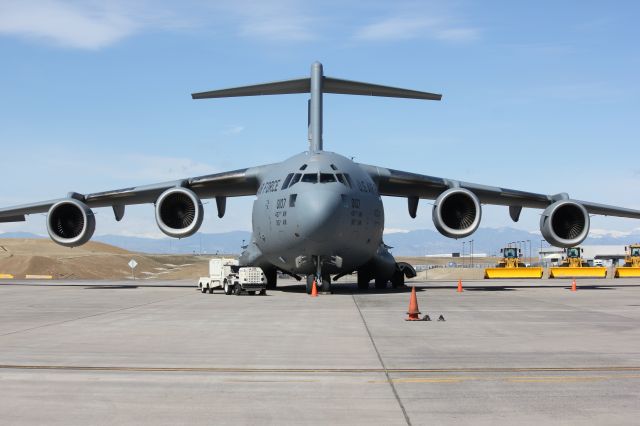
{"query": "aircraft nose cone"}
pixel 320 215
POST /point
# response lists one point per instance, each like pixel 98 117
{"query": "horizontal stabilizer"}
pixel 347 87
pixel 301 85
pixel 329 85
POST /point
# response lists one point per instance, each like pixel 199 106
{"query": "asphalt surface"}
pixel 517 352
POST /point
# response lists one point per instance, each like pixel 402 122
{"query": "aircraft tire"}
pixel 363 281
pixel 310 279
pixel 272 278
pixel 397 280
pixel 381 284
pixel 325 287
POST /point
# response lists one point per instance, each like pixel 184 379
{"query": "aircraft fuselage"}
pixel 317 205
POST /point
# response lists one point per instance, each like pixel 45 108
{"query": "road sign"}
pixel 132 265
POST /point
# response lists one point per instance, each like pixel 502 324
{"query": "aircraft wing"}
pixel 397 183
pixel 234 183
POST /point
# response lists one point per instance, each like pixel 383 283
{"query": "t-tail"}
pixel 317 84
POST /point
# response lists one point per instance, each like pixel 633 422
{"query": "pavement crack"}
pixel 384 367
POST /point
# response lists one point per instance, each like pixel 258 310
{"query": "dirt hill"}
pixel 21 257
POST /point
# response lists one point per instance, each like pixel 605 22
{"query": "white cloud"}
pixel 405 28
pixel 93 25
pixel 600 233
pixel 68 24
pixel 233 130
pixel 156 168
pixel 273 20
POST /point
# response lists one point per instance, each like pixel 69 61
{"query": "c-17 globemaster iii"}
pixel 318 214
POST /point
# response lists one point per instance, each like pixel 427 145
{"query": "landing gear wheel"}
pixel 272 278
pixel 381 284
pixel 397 280
pixel 237 289
pixel 325 287
pixel 310 279
pixel 363 282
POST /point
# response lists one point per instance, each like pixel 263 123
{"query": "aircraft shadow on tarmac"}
pixel 111 287
pixel 347 289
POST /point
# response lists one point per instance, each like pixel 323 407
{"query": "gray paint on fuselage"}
pixel 344 219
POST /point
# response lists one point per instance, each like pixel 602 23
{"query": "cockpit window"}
pixel 310 178
pixel 327 177
pixel 342 179
pixel 287 180
pixel 296 179
pixel 348 179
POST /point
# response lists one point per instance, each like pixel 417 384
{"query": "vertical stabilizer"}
pixel 315 105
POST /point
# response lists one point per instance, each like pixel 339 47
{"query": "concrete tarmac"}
pixel 515 352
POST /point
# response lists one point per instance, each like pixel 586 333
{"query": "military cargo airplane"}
pixel 318 214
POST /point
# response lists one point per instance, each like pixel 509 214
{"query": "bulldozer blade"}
pixel 493 273
pixel 627 272
pixel 582 272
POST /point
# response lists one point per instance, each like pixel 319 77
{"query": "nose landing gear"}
pixel 323 282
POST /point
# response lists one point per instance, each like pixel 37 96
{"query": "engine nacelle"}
pixel 179 212
pixel 565 223
pixel 457 213
pixel 70 223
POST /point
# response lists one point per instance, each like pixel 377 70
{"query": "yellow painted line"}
pixel 271 381
pixel 38 277
pixel 512 379
pixel 604 369
pixel 6 276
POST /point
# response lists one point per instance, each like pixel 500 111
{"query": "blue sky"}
pixel 541 96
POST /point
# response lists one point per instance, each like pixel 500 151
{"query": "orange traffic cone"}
pixel 314 289
pixel 460 286
pixel 573 285
pixel 413 311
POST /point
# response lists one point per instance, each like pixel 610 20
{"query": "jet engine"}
pixel 456 213
pixel 564 223
pixel 70 223
pixel 179 212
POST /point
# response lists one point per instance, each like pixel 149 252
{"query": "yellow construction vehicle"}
pixel 512 267
pixel 631 266
pixel 574 266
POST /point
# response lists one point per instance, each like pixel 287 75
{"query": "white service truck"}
pixel 225 274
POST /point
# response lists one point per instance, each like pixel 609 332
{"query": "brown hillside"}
pixel 94 260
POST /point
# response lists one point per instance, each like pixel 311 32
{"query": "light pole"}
pixel 530 254
pixel 463 243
